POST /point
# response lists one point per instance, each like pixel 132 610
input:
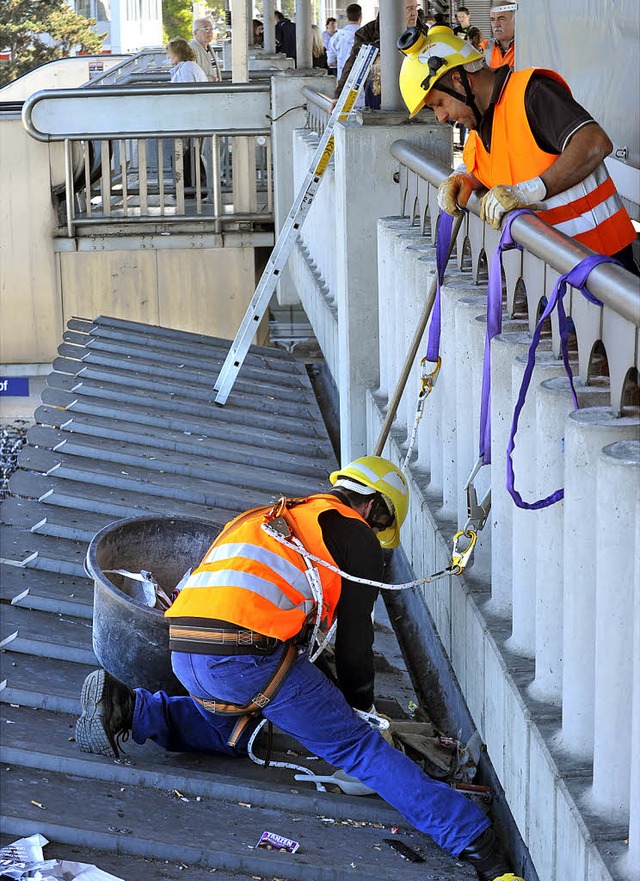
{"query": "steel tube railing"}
pixel 611 284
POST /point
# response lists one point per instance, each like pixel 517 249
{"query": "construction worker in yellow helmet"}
pixel 239 630
pixel 530 145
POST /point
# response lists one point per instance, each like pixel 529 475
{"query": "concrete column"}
pixel 303 35
pixel 586 433
pixel 239 42
pixel 268 19
pixel 554 402
pixel 393 21
pixel 360 200
pixel 504 348
pixel 632 858
pixel 617 547
pixel 525 522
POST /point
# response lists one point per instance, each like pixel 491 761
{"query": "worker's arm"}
pixel 356 550
pixel 583 154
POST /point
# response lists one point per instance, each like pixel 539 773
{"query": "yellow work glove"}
pixel 454 192
pixel 503 198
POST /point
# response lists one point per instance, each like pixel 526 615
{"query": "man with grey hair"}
pixel 201 45
pixel 501 47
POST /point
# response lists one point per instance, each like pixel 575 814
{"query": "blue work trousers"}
pixel 310 708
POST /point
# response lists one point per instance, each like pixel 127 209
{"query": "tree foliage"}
pixel 37 31
pixel 177 20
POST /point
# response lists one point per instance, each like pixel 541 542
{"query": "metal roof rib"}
pixel 128 427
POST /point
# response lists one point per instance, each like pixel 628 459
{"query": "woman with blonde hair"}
pixel 183 63
pixel 317 47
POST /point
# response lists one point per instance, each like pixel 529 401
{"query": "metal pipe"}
pixel 268 21
pixel 611 284
pixel 413 350
pixel 303 35
pixel 393 21
pixel 68 181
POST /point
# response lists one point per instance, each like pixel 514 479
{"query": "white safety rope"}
pixel 288 544
pixel 290 765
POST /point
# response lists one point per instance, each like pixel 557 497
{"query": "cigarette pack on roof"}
pixel 271 841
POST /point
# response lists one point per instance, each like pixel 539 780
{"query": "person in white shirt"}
pixel 342 41
pixel 204 54
pixel 183 63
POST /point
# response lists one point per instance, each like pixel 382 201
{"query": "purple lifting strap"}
pixel 445 223
pixel 494 327
pixel 577 278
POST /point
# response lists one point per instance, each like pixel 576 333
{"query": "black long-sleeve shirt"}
pixel 356 550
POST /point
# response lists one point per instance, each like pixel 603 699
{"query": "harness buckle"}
pixel 460 558
pixel 245 637
pixel 260 700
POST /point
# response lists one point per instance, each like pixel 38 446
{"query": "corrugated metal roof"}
pixel 127 427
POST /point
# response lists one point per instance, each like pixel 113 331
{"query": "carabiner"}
pixel 460 559
pixel 428 379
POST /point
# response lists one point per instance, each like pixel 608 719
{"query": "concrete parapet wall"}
pixel 507 627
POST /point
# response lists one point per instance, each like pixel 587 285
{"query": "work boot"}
pixel 107 714
pixel 486 856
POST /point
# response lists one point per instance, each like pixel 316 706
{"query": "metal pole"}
pixel 268 20
pixel 303 35
pixel 239 42
pixel 394 401
pixel 393 21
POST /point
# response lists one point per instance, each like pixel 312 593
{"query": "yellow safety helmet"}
pixel 373 474
pixel 429 57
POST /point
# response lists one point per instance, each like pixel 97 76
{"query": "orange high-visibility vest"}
pixel 494 57
pixel 249 579
pixel 590 212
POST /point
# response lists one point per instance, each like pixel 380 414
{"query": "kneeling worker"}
pixel 531 144
pixel 239 633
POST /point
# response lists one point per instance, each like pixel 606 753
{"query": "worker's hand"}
pixel 454 192
pixel 502 198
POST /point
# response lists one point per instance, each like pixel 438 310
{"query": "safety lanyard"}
pixel 577 278
pixel 427 380
pixel 445 224
pixel 494 327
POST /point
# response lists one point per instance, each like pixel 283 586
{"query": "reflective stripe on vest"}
pixel 590 211
pixel 247 578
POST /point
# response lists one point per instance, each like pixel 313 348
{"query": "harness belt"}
pixel 258 702
pixel 223 639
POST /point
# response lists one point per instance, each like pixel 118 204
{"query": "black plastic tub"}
pixel 130 639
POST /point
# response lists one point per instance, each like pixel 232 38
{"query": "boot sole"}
pixel 91 734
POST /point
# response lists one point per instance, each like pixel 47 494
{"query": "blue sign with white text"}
pixel 15 386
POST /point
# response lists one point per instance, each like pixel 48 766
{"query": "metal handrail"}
pixel 322 102
pixel 131 61
pixel 613 285
pixel 174 90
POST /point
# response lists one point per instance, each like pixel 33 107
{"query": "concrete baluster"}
pixel 504 348
pixel 554 402
pixel 425 273
pixel 451 293
pixel 617 548
pixel 388 229
pixel 525 521
pixel 587 432
pixel 632 858
pixel 470 335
